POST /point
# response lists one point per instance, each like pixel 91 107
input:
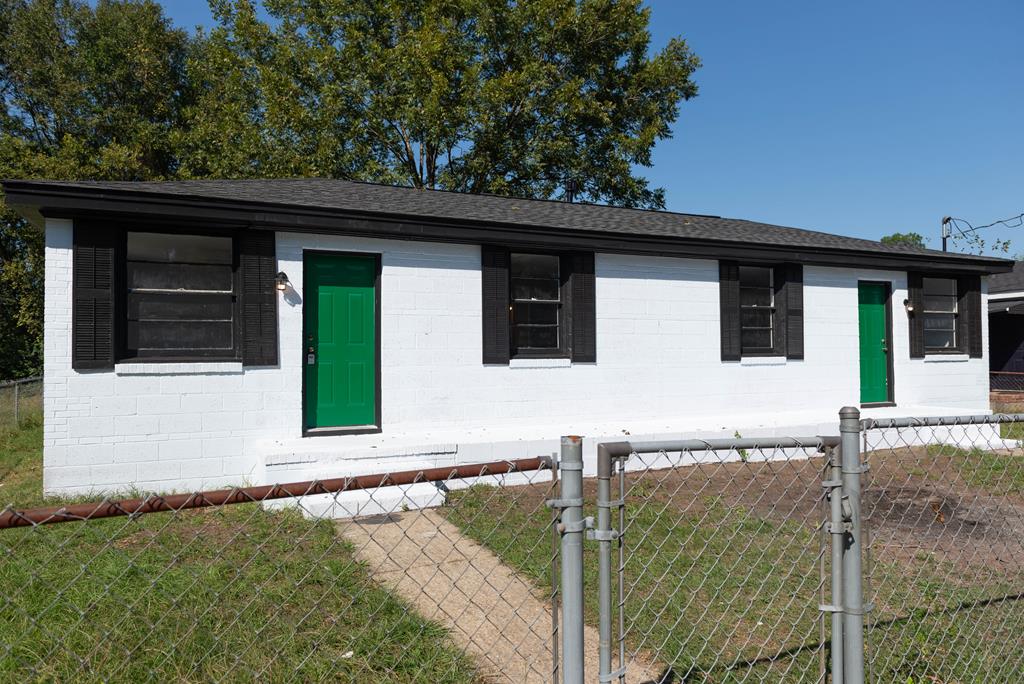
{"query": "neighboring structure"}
pixel 1006 328
pixel 212 332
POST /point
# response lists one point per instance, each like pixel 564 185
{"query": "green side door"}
pixel 872 308
pixel 340 330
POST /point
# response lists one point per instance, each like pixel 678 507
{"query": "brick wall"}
pixel 190 426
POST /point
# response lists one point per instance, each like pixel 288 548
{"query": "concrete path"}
pixel 496 615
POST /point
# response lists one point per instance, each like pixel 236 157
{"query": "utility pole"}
pixel 945 231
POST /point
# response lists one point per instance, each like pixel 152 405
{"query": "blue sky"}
pixel 856 118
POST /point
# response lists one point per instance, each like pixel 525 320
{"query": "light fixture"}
pixel 281 281
pixel 908 306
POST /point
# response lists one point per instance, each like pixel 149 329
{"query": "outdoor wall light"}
pixel 908 306
pixel 281 281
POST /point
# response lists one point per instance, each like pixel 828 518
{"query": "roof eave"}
pixel 39 200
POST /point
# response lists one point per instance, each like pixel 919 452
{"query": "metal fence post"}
pixel 837 534
pixel 853 594
pixel 572 527
pixel 17 418
pixel 605 535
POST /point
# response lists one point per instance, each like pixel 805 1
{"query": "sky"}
pixel 859 118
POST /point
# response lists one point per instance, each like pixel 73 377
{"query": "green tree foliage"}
pixel 905 239
pixel 514 97
pixel 494 96
pixel 85 93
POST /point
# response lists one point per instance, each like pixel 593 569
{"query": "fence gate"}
pixel 720 572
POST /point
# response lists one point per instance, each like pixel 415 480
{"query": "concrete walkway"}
pixel 495 614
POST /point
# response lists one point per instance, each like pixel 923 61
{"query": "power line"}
pixel 1012 222
pixel 951 221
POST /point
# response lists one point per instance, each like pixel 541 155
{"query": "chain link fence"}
pixel 735 560
pixel 375 578
pixel 721 563
pixel 943 505
pixel 1006 382
pixel 20 401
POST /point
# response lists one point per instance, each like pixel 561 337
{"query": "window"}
pixel 940 314
pixel 536 306
pixel 757 309
pixel 170 296
pixel 181 299
pixel 762 310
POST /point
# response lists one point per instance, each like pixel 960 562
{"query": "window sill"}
pixel 763 361
pixel 190 368
pixel 943 357
pixel 540 363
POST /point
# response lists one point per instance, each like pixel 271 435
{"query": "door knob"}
pixel 885 347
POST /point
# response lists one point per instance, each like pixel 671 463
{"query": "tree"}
pixel 84 93
pixel 513 98
pixel 905 240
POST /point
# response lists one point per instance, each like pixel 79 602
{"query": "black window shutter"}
pixel 969 289
pixel 494 276
pixel 794 297
pixel 584 308
pixel 729 302
pixel 92 296
pixel 258 264
pixel 915 295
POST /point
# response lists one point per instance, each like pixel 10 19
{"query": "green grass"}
pixel 240 593
pixel 997 473
pixel 726 589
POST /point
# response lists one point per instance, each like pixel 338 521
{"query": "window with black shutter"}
pixel 761 309
pixel 538 305
pixel 152 295
pixel 945 314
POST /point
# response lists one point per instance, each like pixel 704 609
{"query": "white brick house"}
pixel 420 328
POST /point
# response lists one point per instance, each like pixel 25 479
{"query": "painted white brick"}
pixel 159 405
pixel 137 426
pixel 180 449
pixel 114 406
pixel 116 475
pixel 181 423
pixel 136 452
pixel 658 362
pixel 91 426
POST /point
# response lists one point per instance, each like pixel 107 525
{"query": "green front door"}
pixel 874 342
pixel 340 358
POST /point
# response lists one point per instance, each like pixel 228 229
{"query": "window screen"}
pixel 180 295
pixel 536 302
pixel 940 313
pixel 757 309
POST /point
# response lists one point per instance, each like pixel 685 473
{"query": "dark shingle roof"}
pixel 406 203
pixel 1008 282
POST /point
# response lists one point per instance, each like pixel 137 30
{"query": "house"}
pixel 204 333
pixel 1006 329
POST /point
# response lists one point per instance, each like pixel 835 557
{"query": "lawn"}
pixel 722 568
pixel 238 593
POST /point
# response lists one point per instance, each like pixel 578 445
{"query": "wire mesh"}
pixel 21 402
pixel 944 503
pixel 1006 382
pixel 723 565
pixel 387 583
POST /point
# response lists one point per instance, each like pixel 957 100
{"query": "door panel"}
pixel 341 341
pixel 873 315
